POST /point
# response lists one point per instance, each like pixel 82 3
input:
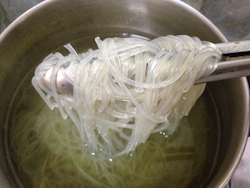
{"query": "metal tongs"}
pixel 235 63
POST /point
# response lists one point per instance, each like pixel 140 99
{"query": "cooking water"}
pixel 44 159
pixel 43 155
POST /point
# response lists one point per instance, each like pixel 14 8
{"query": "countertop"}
pixel 232 17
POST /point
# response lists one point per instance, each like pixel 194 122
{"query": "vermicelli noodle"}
pixel 127 89
pixel 49 153
pixel 126 124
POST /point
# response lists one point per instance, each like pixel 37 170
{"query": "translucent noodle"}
pixel 127 89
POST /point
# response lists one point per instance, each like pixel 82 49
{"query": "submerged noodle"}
pixel 49 153
pixel 127 89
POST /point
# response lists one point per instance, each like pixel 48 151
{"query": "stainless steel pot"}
pixel 53 23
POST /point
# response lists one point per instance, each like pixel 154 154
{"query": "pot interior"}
pixel 209 143
pixel 185 159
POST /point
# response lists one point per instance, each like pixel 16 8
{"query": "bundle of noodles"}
pixel 127 89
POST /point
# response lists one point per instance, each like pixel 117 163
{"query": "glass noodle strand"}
pixel 128 88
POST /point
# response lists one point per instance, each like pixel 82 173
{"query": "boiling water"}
pixel 45 151
pixel 51 156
